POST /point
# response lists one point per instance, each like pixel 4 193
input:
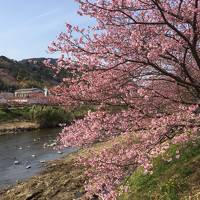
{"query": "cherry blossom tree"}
pixel 143 58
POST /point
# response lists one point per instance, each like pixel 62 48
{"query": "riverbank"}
pixel 61 179
pixel 17 126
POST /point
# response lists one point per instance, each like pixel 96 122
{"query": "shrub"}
pixel 48 116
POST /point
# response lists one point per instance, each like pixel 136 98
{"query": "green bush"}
pixel 3 115
pixel 48 116
pixel 8 115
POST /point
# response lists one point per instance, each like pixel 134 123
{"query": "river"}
pixel 22 155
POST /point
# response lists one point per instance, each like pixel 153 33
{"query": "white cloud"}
pixel 41 16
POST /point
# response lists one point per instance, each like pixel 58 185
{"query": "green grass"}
pixel 9 115
pixel 3 116
pixel 178 179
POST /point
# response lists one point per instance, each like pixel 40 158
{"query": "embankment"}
pixel 18 126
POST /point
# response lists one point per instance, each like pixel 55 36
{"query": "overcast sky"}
pixel 28 26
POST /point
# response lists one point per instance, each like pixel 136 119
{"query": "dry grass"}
pixel 5 127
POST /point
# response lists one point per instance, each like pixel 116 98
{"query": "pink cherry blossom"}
pixel 140 66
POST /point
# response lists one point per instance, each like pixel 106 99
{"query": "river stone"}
pixel 16 162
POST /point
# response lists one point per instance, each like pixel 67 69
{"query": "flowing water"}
pixel 22 155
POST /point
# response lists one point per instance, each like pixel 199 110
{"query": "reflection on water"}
pixel 28 148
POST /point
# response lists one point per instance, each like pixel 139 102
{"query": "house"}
pixel 29 92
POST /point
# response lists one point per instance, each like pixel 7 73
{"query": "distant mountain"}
pixel 26 73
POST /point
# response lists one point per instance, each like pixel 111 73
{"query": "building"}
pixel 29 92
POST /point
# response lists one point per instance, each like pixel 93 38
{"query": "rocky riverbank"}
pixel 17 126
pixel 61 179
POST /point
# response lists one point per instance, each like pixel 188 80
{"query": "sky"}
pixel 27 27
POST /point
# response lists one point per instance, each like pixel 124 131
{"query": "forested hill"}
pixel 24 74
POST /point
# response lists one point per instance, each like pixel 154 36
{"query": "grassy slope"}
pixel 177 179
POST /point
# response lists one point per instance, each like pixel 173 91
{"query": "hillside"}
pixel 23 74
